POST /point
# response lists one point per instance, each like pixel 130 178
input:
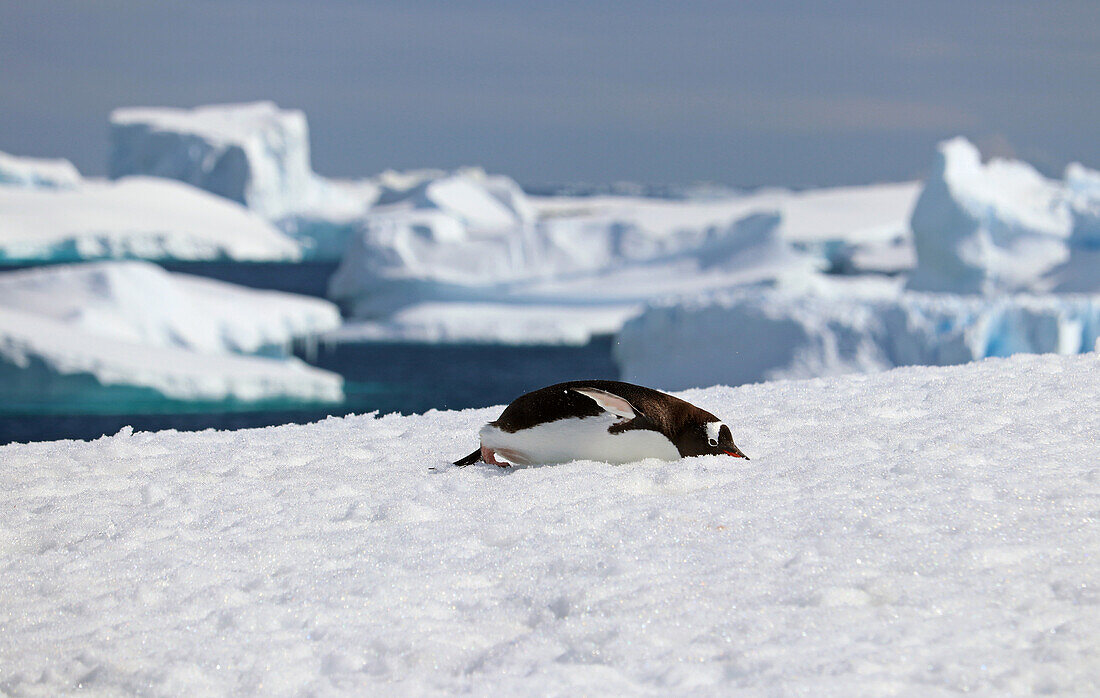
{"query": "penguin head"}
pixel 708 438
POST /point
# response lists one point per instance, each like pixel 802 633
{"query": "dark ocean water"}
pixel 388 377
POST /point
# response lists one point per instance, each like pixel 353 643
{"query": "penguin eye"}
pixel 713 442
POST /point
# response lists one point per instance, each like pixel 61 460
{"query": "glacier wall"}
pixel 747 337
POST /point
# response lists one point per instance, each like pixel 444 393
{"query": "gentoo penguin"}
pixel 600 420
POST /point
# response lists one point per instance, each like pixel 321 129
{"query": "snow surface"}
pixel 987 228
pixel 255 154
pixel 925 531
pixel 37 172
pixel 136 217
pixel 90 335
pixel 751 336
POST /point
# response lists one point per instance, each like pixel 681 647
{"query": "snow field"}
pixel 921 531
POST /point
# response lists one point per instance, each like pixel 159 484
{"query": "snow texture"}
pixel 756 336
pixel 89 334
pixel 987 228
pixel 255 154
pixel 926 531
pixel 136 217
pixel 37 172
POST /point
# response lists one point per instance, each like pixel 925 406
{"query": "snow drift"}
pixel 137 217
pixel 925 530
pixel 255 154
pixel 757 336
pixel 123 332
pixel 37 172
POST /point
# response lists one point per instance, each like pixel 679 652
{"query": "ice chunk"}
pixel 255 154
pixel 986 228
pixel 135 217
pixel 91 333
pixel 37 172
pixel 745 337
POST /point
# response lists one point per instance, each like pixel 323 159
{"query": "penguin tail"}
pixel 470 459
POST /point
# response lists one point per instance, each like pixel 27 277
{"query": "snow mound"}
pixel 90 335
pixel 922 531
pixel 255 154
pixel 749 337
pixel 986 228
pixel 136 217
pixel 37 172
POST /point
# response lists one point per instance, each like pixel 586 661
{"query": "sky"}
pixel 740 93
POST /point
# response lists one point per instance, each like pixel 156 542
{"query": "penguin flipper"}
pixel 470 459
pixel 609 402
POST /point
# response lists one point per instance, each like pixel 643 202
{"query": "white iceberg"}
pixel 37 172
pixel 92 334
pixel 584 274
pixel 1081 273
pixel 135 217
pixel 748 337
pixel 255 154
pixel 986 228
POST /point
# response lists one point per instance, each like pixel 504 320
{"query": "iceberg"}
pixel 99 333
pixel 746 337
pixel 135 217
pixel 409 265
pixel 255 154
pixel 37 172
pixel 1081 272
pixel 987 228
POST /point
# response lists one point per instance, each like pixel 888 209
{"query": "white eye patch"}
pixel 712 432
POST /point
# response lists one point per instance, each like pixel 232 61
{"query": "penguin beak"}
pixel 736 453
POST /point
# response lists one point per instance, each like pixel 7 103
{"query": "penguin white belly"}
pixel 564 440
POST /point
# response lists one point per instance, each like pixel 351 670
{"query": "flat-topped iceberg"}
pixel 109 333
pixel 255 154
pixel 135 217
pixel 986 228
pixel 748 337
pixel 37 172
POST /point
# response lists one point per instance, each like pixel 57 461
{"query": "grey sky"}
pixel 743 93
